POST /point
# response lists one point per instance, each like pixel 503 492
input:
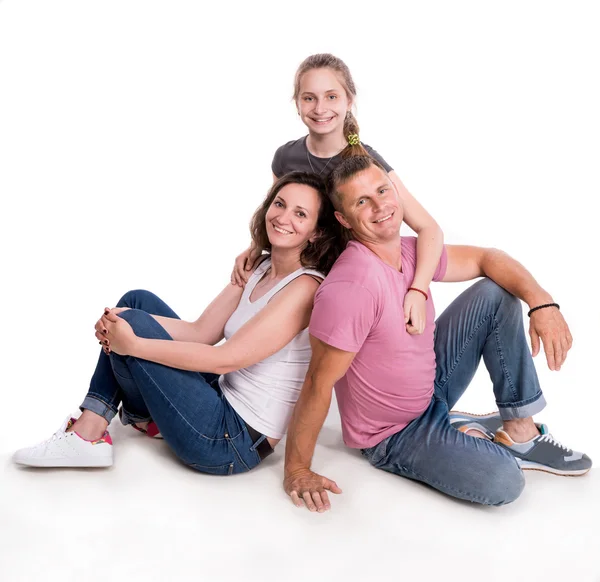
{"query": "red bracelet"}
pixel 419 290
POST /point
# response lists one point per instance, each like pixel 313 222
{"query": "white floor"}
pixel 150 518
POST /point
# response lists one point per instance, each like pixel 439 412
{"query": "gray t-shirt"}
pixel 294 155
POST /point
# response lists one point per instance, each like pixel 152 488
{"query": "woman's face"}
pixel 291 220
pixel 322 102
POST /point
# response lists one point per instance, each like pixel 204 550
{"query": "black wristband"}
pixel 542 307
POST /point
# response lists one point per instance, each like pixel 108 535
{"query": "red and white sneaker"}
pixel 68 449
pixel 151 430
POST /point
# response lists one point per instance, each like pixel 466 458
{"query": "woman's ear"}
pixel 315 237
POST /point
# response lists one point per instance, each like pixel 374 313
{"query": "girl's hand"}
pixel 115 334
pixel 244 266
pixel 414 313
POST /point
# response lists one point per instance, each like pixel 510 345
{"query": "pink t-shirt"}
pixel 359 308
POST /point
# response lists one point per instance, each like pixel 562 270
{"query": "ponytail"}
pixel 351 129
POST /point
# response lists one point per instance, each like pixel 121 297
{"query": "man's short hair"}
pixel 344 172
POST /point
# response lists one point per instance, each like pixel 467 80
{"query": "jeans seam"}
pixel 237 454
pixel 460 355
pixel 136 361
pixel 502 360
pixel 433 483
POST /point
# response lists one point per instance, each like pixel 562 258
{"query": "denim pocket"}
pixel 218 470
pixel 377 453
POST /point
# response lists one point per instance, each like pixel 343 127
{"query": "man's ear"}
pixel 342 220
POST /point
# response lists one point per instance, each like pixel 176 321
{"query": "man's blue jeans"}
pixel 485 321
pixel 193 416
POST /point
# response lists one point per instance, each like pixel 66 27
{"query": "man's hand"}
pixel 550 326
pixel 414 313
pixel 310 489
pixel 114 333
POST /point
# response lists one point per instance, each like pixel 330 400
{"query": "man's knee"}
pixel 496 294
pixel 136 298
pixel 504 484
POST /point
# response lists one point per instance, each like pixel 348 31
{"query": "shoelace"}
pixel 550 439
pixel 54 437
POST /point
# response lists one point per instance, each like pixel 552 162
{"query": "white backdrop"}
pixel 136 138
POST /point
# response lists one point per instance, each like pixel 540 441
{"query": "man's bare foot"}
pixel 521 430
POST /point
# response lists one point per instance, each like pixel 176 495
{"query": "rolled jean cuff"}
pixel 97 406
pixel 523 409
pixel 128 418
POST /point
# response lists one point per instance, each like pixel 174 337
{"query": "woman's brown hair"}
pixel 328 61
pixel 331 238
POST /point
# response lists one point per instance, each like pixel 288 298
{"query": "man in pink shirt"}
pixel 395 386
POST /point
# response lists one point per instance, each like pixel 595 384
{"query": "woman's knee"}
pixel 136 298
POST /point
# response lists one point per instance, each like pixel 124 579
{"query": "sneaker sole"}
pixel 531 466
pixel 487 415
pixel 89 463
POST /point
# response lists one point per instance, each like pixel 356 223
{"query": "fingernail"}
pixel 104 331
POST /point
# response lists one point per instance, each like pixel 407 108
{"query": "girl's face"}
pixel 322 102
pixel 291 220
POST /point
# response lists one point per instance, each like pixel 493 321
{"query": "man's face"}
pixel 370 206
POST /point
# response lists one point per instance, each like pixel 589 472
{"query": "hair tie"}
pixel 353 139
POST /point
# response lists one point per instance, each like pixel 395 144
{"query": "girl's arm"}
pixel 209 327
pixel 266 333
pixel 430 238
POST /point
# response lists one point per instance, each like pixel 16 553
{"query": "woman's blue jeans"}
pixel 484 321
pixel 193 416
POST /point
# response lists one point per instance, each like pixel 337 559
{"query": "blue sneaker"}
pixel 486 424
pixel 544 453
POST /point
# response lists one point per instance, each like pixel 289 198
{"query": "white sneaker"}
pixel 68 449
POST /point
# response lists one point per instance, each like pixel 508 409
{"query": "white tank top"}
pixel 265 393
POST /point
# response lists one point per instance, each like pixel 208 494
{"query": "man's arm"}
pixel 327 366
pixel 467 262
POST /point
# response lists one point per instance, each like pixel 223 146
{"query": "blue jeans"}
pixel 193 416
pixel 485 321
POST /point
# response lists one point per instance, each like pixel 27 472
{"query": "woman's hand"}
pixel 414 312
pixel 114 333
pixel 100 328
pixel 244 266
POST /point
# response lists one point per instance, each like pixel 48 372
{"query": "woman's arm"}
pixel 209 327
pixel 267 332
pixel 430 238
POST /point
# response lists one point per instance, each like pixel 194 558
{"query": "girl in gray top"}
pixel 324 93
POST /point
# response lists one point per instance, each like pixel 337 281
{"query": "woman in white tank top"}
pixel 221 408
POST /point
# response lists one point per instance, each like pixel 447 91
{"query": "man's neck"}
pixel 390 252
pixel 325 146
